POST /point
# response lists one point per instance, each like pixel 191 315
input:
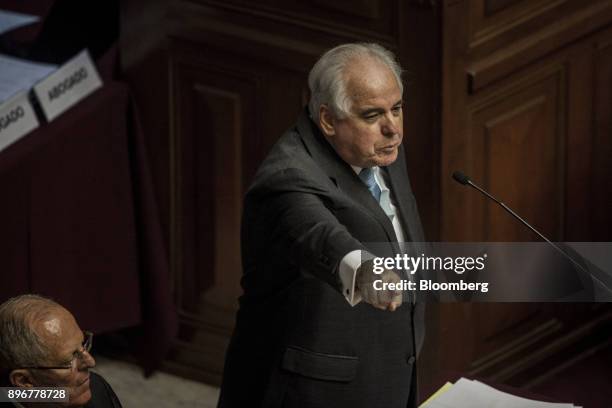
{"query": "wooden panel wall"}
pixel 236 74
pixel 522 83
pixel 539 101
pixel 516 93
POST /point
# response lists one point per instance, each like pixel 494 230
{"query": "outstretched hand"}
pixel 383 299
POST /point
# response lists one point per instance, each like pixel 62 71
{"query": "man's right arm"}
pixel 300 224
pixel 289 212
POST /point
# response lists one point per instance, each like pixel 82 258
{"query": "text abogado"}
pixel 11 117
pixel 17 119
pixel 67 83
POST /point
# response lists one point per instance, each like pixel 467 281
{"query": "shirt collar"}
pixel 357 170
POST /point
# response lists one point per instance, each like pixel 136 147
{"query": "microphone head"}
pixel 461 178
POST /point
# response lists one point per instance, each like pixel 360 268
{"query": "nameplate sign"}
pixel 17 119
pixel 67 86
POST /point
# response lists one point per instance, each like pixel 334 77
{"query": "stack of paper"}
pixel 20 75
pixel 10 20
pixel 474 394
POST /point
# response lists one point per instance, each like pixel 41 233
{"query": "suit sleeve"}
pixel 290 217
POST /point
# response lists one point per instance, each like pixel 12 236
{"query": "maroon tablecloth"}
pixel 79 222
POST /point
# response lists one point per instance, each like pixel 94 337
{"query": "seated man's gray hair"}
pixel 19 344
pixel 326 80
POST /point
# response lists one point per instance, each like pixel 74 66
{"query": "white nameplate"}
pixel 67 86
pixel 17 119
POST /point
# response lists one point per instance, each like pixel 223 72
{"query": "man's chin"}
pixel 386 159
pixel 81 398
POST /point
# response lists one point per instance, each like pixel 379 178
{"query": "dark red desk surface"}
pixel 79 222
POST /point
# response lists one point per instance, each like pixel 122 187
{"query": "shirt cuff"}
pixel 347 271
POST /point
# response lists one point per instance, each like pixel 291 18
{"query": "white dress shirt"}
pixel 348 266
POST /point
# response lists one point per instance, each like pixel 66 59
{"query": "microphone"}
pixel 461 178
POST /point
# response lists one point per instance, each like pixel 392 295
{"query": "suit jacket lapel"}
pixel 341 173
pixel 400 187
pixel 401 198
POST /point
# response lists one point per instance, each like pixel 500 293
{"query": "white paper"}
pixel 460 395
pixel 17 119
pixel 20 75
pixel 10 20
pixel 474 394
pixel 509 400
pixel 67 86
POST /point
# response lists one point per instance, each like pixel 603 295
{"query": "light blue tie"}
pixel 367 176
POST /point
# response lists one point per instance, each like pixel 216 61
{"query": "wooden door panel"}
pixel 516 153
pixel 601 187
pixel 212 111
pixel 225 117
pixel 531 124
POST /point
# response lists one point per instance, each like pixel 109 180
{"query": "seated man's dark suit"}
pixel 298 342
pixel 102 395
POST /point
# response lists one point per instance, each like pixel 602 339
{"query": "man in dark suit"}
pixel 41 345
pixel 334 191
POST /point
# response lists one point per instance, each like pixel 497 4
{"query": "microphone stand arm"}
pixel 525 223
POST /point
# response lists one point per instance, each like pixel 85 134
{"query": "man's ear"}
pixel 21 378
pixel 326 121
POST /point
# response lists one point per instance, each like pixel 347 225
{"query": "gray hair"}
pixel 19 343
pixel 327 82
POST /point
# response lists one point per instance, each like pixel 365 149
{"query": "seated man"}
pixel 41 345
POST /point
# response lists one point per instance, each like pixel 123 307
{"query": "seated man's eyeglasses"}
pixel 78 355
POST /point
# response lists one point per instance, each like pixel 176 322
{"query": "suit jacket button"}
pixel 410 360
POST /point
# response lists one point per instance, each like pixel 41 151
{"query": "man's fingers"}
pixel 381 299
pixel 396 302
pixel 376 299
pixel 388 296
pixel 390 300
pixel 394 305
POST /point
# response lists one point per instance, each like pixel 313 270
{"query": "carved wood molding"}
pixel 489 29
pixel 287 17
pixel 427 4
pixel 516 55
pixel 194 25
pixel 569 362
pixel 509 364
pixel 506 353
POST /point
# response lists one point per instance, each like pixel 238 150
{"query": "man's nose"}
pixel 390 125
pixel 87 360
